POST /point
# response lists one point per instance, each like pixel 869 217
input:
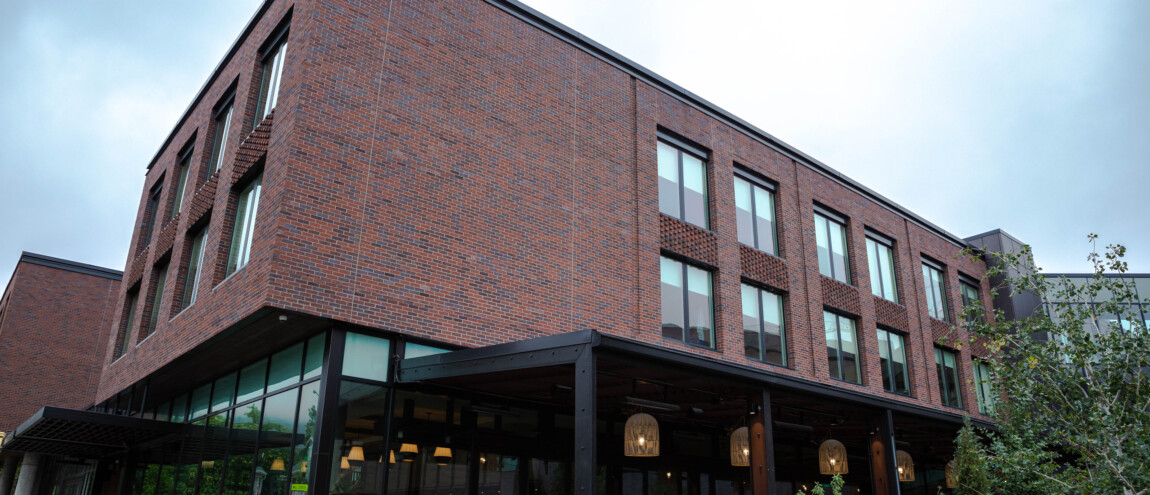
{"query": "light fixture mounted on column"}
pixel 905 466
pixel 740 447
pixel 641 436
pixel 832 457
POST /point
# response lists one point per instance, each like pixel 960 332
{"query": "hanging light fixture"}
pixel 391 457
pixel 951 475
pixel 442 456
pixel 641 436
pixel 832 457
pixel 356 453
pixel 207 464
pixel 905 466
pixel 343 464
pixel 740 447
pixel 303 466
pixel 408 451
pixel 278 464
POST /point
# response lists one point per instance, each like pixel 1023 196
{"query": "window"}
pixel 157 298
pixel 970 298
pixel 842 352
pixel 892 359
pixel 195 264
pixel 223 125
pixel 763 335
pixel 273 67
pixel 947 367
pixel 982 385
pixel 686 303
pixel 755 212
pixel 182 182
pixel 129 322
pixel 881 259
pixel 244 226
pixel 151 213
pixel 831 239
pixel 682 184
pixel 935 290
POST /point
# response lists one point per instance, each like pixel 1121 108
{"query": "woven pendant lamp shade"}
pixel 408 451
pixel 740 447
pixel 391 457
pixel 951 475
pixel 356 454
pixel 343 464
pixel 641 436
pixel 442 456
pixel 905 466
pixel 832 457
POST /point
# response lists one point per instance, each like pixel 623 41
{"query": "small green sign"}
pixel 299 487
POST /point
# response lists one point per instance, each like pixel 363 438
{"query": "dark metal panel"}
pixel 534 353
pixel 585 422
pixel 59 431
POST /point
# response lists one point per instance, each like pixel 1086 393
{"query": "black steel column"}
pixel 762 438
pixel 585 419
pixel 327 414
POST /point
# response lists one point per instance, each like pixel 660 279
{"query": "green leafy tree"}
pixel 970 462
pixel 837 484
pixel 1072 389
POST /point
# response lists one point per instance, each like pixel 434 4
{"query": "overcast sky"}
pixel 1030 116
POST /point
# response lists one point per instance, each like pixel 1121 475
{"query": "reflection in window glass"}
pixel 970 298
pixel 935 291
pixel 763 335
pixel 271 474
pixel 313 363
pixel 223 392
pixel 285 367
pixel 305 432
pixel 831 242
pixel 682 185
pixel 982 385
pixel 686 297
pixel 180 408
pixel 245 428
pixel 881 270
pixel 755 215
pixel 360 453
pixel 365 356
pixel 842 351
pixel 947 368
pixel 413 350
pixel 213 461
pixel 252 380
pixel 200 399
pixel 892 360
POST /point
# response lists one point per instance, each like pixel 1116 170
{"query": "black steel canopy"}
pixel 68 432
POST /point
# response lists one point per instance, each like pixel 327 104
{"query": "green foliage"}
pixel 836 487
pixel 1073 391
pixel 970 462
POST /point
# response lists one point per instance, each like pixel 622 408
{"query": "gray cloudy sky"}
pixel 1031 116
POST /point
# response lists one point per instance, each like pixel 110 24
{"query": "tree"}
pixel 970 462
pixel 1072 382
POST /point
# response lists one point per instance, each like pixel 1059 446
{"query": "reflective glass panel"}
pixel 366 356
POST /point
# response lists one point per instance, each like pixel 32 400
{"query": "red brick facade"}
pixel 53 330
pixel 448 171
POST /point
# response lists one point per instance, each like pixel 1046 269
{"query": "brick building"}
pixel 416 247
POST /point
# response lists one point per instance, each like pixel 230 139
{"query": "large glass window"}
pixel 763 335
pixel 157 298
pixel 185 163
pixel 244 226
pixel 947 366
pixel 982 386
pixel 831 239
pixel 935 290
pixel 970 298
pixel 195 265
pixel 273 67
pixel 129 322
pixel 366 356
pixel 150 215
pixel 892 359
pixel 881 259
pixel 686 293
pixel 223 125
pixel 842 347
pixel 361 452
pixel 755 213
pixel 682 185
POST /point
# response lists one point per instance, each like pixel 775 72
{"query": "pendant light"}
pixel 343 464
pixel 278 464
pixel 303 466
pixel 905 466
pixel 442 456
pixel 832 457
pixel 740 447
pixel 390 457
pixel 951 475
pixel 408 451
pixel 356 453
pixel 208 464
pixel 641 436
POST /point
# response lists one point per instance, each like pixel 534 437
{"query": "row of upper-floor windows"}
pixel 683 195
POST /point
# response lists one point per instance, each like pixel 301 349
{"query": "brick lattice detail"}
pixel 688 241
pixel 253 147
pixel 764 268
pixel 167 236
pixel 136 268
pixel 203 200
pixel 890 314
pixel 840 296
pixel 941 330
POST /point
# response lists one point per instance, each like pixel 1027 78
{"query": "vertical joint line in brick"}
pixel 803 258
pixel 635 179
pixel 574 180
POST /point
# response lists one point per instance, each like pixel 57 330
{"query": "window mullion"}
pixel 686 304
pixel 762 326
pixel 682 194
pixel 755 223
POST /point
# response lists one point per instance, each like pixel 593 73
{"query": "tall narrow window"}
pixel 970 298
pixel 157 298
pixel 831 239
pixel 682 184
pixel 982 384
pixel 763 335
pixel 244 226
pixel 842 350
pixel 150 214
pixel 935 290
pixel 182 182
pixel 273 67
pixel 881 261
pixel 223 125
pixel 947 366
pixel 195 265
pixel 686 292
pixel 892 359
pixel 129 322
pixel 755 212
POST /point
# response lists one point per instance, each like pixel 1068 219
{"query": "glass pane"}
pixel 285 367
pixel 305 432
pixel 223 392
pixel 413 350
pixel 875 271
pixel 823 245
pixel 694 191
pixel 751 323
pixel 699 298
pixel 849 350
pixel 743 212
pixel 838 238
pixel 195 261
pixel 831 326
pixel 200 399
pixel 775 346
pixel 212 461
pixel 765 219
pixel 927 283
pixel 180 408
pixel 360 452
pixel 275 442
pixel 252 380
pixel 163 411
pixel 886 263
pixel 366 356
pixel 884 359
pixel 674 314
pixel 313 362
pixel 158 299
pixel 668 180
pixel 245 428
pixel 898 356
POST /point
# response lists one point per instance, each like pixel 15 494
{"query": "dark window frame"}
pixel 944 383
pixel 759 290
pixel 832 216
pixel 249 217
pixel 128 321
pixel 984 398
pixel 839 348
pixel 880 239
pixel 929 290
pixel 703 155
pixel 269 50
pixel 152 212
pixel 182 174
pixel 224 110
pixel 755 181
pixel 161 269
pixel 967 283
pixel 686 302
pixel 890 367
